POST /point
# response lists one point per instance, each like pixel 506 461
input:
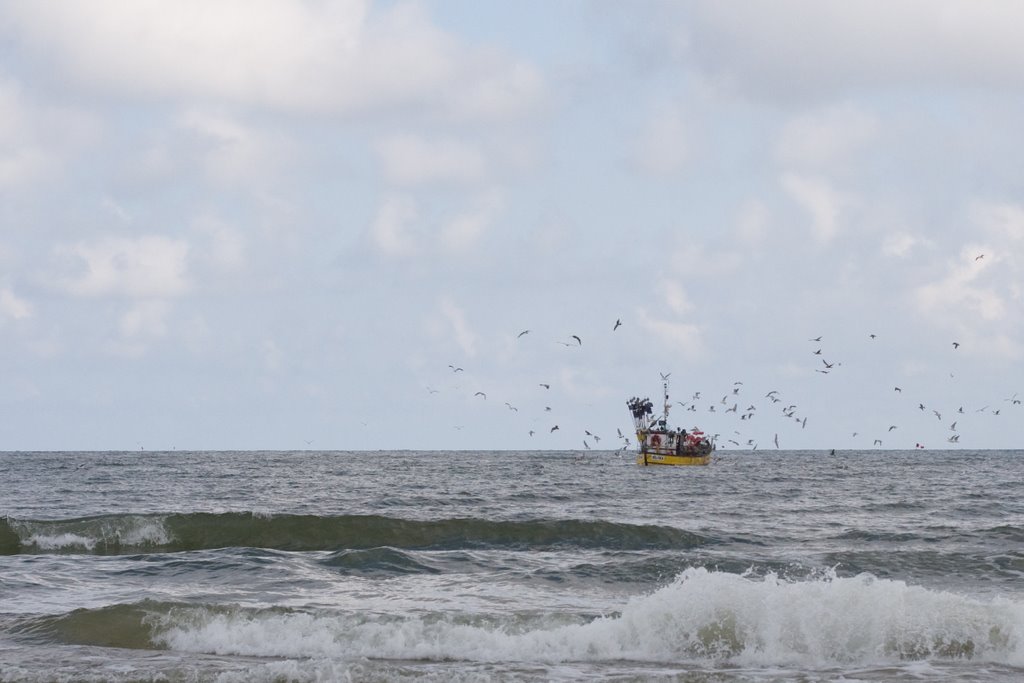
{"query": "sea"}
pixel 765 565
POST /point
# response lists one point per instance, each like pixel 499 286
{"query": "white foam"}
pixel 129 531
pixel 702 616
pixel 63 541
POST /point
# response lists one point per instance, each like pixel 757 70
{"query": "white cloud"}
pixel 752 223
pixel 1001 219
pixel 411 160
pixel 899 245
pixel 464 231
pixel 676 337
pixel 392 231
pixel 21 157
pixel 225 246
pixel 234 152
pixel 675 297
pixel 958 293
pixel 818 198
pixel 464 335
pixel 327 56
pixel 663 147
pixel 144 267
pixel 12 306
pixel 839 46
pixel 826 136
pixel 145 319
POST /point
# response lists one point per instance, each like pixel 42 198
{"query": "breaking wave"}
pixel 701 616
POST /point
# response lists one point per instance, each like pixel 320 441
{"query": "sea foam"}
pixel 701 616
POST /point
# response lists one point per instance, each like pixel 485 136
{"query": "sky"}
pixel 324 224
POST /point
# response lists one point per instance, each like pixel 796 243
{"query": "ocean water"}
pixel 511 566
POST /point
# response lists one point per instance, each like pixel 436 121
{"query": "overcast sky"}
pixel 283 224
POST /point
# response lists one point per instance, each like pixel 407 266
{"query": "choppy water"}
pixel 396 566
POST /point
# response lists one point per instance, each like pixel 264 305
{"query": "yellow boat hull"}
pixel 671 459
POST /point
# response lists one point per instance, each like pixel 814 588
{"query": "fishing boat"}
pixel 660 444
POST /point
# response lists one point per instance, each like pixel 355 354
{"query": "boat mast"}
pixel 664 387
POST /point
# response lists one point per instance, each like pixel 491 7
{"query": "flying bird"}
pixel 522 333
pixel 979 257
pixel 511 407
pixel 618 324
pixel 816 339
pixel 454 369
pixel 480 393
pixel 578 340
pixel 892 427
pixel 956 345
pixel 553 429
pixel 546 386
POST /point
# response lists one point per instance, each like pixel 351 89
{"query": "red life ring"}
pixel 655 440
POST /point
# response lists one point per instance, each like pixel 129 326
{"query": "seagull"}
pixel 480 393
pixel 979 257
pixel 618 324
pixel 586 445
pixel 522 333
pixel 878 442
pixel 666 375
pixel 816 339
pixel 872 336
pixel 892 427
pixel 454 369
pixel 546 386
pixel 954 439
pixel 956 345
pixel 432 390
pixel 952 427
pixel 578 340
pixel 898 389
pixel 511 407
pixel 553 429
pixel 531 432
pixel 776 440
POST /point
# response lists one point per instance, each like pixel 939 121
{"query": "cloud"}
pixel 232 152
pixel 826 136
pixel 817 197
pixel 12 306
pixel 456 319
pixel 663 147
pixel 900 244
pixel 675 336
pixel 675 297
pixel 392 230
pixel 839 46
pixel 411 160
pixel 144 267
pixel 335 56
pixel 463 231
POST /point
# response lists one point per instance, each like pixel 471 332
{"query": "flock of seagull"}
pixel 734 403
